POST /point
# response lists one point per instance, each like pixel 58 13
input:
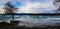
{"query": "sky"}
pixel 31 6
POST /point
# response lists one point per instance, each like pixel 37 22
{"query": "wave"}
pixel 34 21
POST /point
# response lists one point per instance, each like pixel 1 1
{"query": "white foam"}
pixel 44 22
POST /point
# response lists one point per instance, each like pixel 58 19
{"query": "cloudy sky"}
pixel 31 6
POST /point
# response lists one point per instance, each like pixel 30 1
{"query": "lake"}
pixel 33 20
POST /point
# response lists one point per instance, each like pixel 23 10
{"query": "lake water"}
pixel 33 20
pixel 33 17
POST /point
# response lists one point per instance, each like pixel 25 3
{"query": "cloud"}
pixel 1 10
pixel 37 7
pixel 34 6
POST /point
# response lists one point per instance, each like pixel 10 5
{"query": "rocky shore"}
pixel 14 25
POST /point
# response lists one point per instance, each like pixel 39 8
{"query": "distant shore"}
pixel 54 14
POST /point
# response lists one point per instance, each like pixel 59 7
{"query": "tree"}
pixel 57 4
pixel 9 9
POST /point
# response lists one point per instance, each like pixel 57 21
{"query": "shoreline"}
pixel 14 25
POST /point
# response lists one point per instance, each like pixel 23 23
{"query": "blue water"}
pixel 38 17
pixel 32 20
